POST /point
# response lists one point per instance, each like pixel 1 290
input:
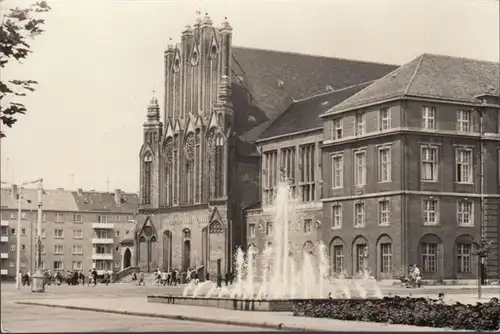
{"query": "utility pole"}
pixel 482 227
pixel 38 278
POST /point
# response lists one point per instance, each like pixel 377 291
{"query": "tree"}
pixel 18 27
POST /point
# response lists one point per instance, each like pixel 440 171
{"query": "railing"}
pixel 4 223
pixel 102 256
pixel 4 238
pixel 102 240
pixel 103 226
pixel 4 255
pixel 124 273
pixel 4 272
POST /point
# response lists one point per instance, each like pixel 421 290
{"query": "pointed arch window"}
pixel 169 151
pixel 175 167
pixel 148 169
pixel 217 166
pixel 198 177
pixel 190 168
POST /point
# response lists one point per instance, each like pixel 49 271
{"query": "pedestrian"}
pixel 174 277
pixel 94 276
pixel 107 277
pixel 134 278
pixel 141 279
pixel 163 278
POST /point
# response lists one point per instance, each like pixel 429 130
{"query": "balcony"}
pixel 103 226
pixel 102 256
pixel 105 241
pixel 4 255
pixel 4 223
pixel 4 272
pixel 4 238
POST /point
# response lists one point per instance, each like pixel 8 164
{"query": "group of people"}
pixel 413 279
pixel 71 277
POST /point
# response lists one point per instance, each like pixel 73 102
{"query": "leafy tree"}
pixel 18 27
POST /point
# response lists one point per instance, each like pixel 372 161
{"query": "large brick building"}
pixel 199 166
pixel 408 163
pixel 81 230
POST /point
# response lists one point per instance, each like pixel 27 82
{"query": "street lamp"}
pixel 38 277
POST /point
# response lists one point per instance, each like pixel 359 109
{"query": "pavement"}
pixel 120 307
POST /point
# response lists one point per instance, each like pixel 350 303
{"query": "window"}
pixel 360 168
pixel 43 232
pixel 360 257
pixel 430 212
pixel 13 231
pixel 385 258
pixel 464 165
pixel 338 258
pixel 43 249
pixel 58 233
pixel 337 129
pixel 77 250
pixel 117 249
pixel 360 127
pixel 307 172
pixel 126 232
pixel 12 248
pixel 429 118
pixel 44 217
pixel 336 216
pixel 269 228
pixel 465 213
pixel 58 265
pixel 118 218
pixel 13 215
pixel 464 121
pixel 307 226
pixel 103 234
pixel 77 218
pixel 429 258
pixel 59 217
pixel 251 230
pixel 288 163
pixel 23 214
pixel 464 258
pixel 23 231
pixel 117 234
pixel 147 179
pixel 43 265
pixel 77 265
pixel 77 234
pixel 429 166
pixel 383 213
pixel 12 264
pixel 384 119
pixel 102 219
pixel 22 264
pixel 359 215
pixel 23 248
pixel 58 249
pixel 384 164
pixel 338 171
pixel 270 175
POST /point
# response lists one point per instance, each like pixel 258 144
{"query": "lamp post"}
pixel 38 277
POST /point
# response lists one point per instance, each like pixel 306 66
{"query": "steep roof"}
pixel 53 200
pixel 432 76
pixel 305 114
pixel 266 82
pixel 105 201
pixel 130 236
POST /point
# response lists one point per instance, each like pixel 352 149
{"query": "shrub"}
pixel 404 311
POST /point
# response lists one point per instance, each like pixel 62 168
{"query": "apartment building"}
pixel 80 230
pixel 410 171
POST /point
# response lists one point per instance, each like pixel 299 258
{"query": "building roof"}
pixel 53 200
pixel 266 82
pixel 130 236
pixel 431 76
pixel 105 201
pixel 305 114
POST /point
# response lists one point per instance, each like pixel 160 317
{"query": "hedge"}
pixel 405 311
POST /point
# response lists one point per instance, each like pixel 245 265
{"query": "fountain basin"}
pixel 274 305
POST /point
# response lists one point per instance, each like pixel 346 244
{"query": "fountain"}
pixel 286 272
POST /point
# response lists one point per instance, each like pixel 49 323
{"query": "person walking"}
pixel 94 276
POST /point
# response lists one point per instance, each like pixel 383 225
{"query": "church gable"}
pixel 195 53
pixel 148 231
pixel 177 126
pixel 145 149
pixel 190 124
pixel 169 131
pixel 215 217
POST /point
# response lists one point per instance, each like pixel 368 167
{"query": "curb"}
pixel 264 325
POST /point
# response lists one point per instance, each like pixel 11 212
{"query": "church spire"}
pixel 153 113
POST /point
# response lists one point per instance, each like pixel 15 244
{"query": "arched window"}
pixel 175 166
pixel 186 233
pixel 148 161
pixel 169 147
pixel 219 166
pixel 190 172
pixel 215 227
pixel 198 172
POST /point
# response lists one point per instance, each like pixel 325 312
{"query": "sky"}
pixel 99 61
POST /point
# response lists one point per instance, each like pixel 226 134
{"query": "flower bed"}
pixel 404 311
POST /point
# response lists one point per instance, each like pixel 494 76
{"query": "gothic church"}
pixel 199 164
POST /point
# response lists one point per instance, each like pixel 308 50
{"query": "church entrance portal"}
pixel 127 256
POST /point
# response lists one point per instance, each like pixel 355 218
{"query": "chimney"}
pixel 79 191
pixel 118 196
pixel 13 191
